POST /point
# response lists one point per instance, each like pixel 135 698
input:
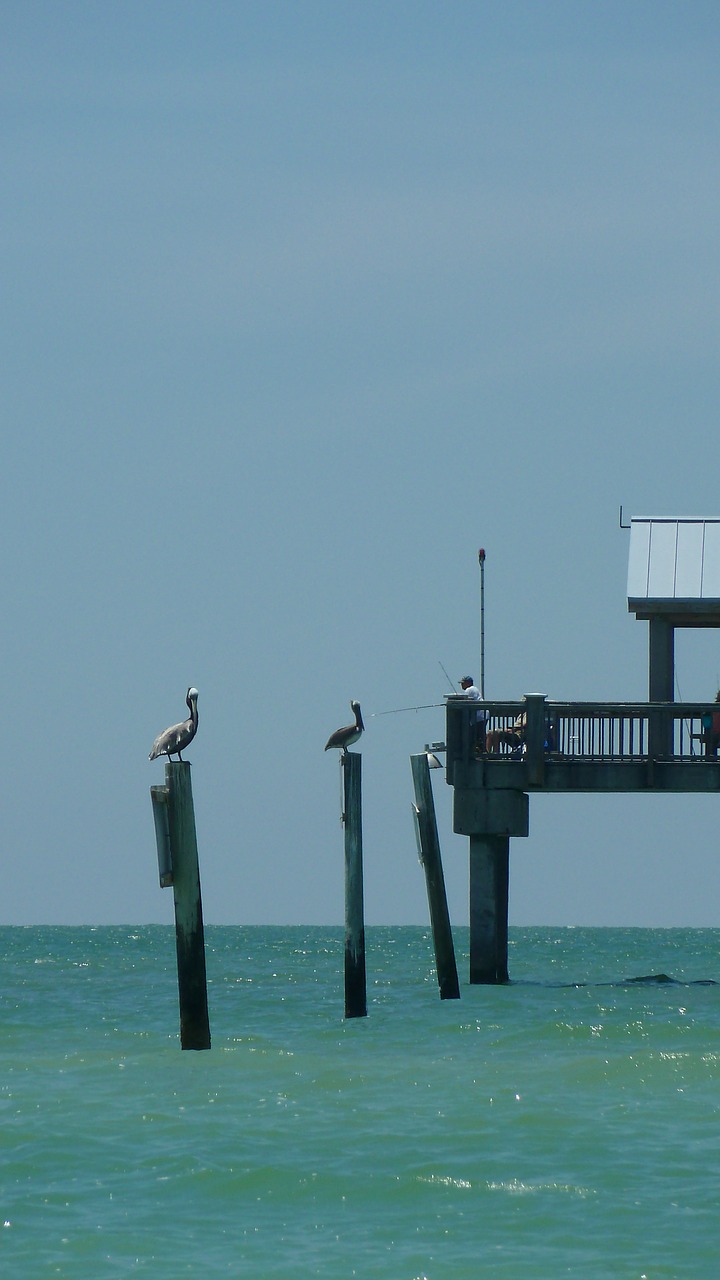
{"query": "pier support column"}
pixel 489 880
pixel 662 684
pixel 489 818
pixel 662 660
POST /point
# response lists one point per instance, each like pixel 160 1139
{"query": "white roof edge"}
pixel 674 560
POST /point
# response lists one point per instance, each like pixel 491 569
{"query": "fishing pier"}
pixel 654 746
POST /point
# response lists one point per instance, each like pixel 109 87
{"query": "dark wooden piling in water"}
pixel 185 880
pixel 429 849
pixel 355 980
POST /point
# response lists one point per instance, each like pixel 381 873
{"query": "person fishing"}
pixel 471 693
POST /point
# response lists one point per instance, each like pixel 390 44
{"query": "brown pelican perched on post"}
pixel 178 736
pixel 344 738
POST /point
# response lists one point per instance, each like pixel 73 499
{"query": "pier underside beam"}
pixel 489 877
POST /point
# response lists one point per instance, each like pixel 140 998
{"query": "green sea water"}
pixel 567 1124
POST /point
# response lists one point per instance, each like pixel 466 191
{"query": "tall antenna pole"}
pixel 481 559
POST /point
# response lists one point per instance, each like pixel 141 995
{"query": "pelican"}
pixel 344 738
pixel 178 736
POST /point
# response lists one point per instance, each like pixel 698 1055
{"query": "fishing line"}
pixel 397 710
pixel 425 706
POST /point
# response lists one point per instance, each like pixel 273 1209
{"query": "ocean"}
pixel 567 1124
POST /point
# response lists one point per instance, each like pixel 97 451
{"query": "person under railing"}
pixel 711 731
pixel 513 737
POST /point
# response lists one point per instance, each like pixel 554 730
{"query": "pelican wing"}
pixel 176 738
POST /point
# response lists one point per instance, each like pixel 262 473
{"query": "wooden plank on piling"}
pixel 159 798
pixel 434 878
pixel 189 931
pixel 355 979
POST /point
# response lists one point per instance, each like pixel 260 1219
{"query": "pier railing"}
pixel 536 732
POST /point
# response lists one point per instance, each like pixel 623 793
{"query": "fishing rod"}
pixel 452 686
pixel 396 710
pixel 425 707
pixel 481 561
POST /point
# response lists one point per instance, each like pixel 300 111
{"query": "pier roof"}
pixel 674 570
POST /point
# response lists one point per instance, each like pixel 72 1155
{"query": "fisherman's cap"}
pixel 466 680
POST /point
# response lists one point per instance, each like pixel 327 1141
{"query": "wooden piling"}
pixel 489 875
pixel 189 932
pixel 429 849
pixel 355 980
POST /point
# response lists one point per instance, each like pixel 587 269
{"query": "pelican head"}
pixel 192 696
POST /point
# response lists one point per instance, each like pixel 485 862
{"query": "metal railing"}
pixel 587 731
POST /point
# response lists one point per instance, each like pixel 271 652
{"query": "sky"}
pixel 303 305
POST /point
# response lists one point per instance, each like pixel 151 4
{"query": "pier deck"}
pixel 585 746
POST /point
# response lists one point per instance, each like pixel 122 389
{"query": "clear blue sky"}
pixel 304 303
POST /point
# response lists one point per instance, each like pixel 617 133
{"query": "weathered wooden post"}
pixel 178 863
pixel 429 850
pixel 355 980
